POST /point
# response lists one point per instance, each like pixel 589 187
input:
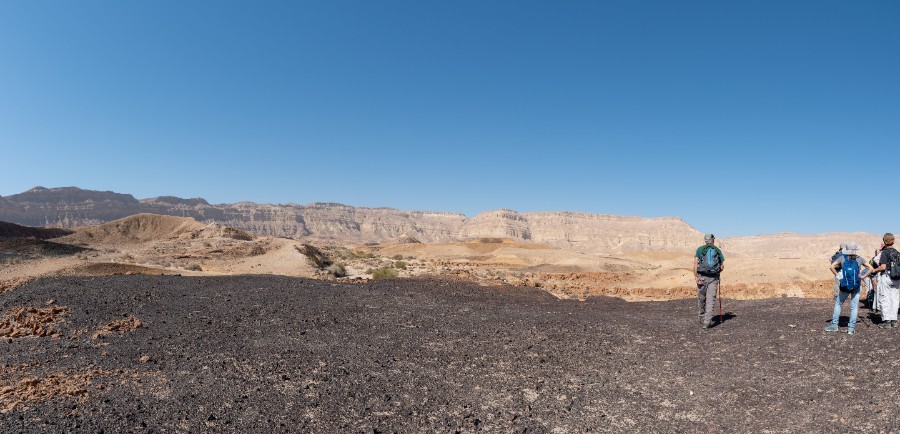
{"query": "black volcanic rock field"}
pixel 275 354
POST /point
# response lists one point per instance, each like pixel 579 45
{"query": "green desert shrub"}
pixel 337 270
pixel 384 273
pixel 400 265
pixel 357 254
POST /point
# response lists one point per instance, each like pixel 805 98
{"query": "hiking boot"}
pixel 851 330
pixel 885 325
pixel 893 324
pixel 831 328
pixel 707 325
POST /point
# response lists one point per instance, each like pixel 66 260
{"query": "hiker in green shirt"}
pixel 708 264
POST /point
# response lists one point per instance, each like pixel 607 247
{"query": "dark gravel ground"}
pixel 275 354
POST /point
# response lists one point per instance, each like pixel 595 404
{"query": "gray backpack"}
pixel 709 262
pixel 893 268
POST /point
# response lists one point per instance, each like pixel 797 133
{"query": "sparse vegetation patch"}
pixel 384 273
pixel 337 270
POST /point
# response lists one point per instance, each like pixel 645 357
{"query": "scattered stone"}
pixel 23 321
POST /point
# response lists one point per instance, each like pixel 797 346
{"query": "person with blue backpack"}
pixel 709 262
pixel 851 265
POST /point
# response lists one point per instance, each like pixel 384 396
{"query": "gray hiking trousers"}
pixel 706 297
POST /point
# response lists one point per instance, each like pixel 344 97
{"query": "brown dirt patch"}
pixel 629 286
pixel 484 246
pixel 38 389
pixel 21 388
pixel 122 326
pixel 23 321
pixel 10 284
pixel 740 291
pixel 111 269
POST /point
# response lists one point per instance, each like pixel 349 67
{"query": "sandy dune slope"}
pixel 153 244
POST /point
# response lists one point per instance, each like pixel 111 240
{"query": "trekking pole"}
pixel 720 300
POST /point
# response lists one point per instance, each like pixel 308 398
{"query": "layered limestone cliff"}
pixel 329 222
pixel 589 233
pixel 792 245
pixel 502 223
pixel 66 207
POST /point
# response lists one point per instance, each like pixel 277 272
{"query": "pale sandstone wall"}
pixel 792 245
pixel 589 233
pixel 328 222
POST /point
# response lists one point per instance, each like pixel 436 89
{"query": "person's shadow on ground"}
pixel 725 317
pixel 872 318
pixel 869 319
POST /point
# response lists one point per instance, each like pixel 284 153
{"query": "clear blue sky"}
pixel 740 117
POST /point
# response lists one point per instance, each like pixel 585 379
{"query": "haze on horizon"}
pixel 741 119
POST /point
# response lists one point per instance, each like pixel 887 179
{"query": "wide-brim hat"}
pixel 851 249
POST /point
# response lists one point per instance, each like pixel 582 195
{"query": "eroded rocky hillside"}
pixel 328 222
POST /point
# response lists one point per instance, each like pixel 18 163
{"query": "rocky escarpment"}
pixel 793 245
pixel 330 222
pixel 589 233
pixel 66 207
pixel 502 223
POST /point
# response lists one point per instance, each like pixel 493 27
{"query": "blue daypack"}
pixel 709 262
pixel 850 281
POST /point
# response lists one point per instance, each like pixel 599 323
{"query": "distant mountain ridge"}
pixel 69 207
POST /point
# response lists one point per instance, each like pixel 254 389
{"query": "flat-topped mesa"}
pixel 794 245
pixel 69 207
pixel 503 223
pixel 334 205
pixel 345 223
pixel 66 207
pixel 339 223
pixel 69 195
pixel 584 232
pixel 175 201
